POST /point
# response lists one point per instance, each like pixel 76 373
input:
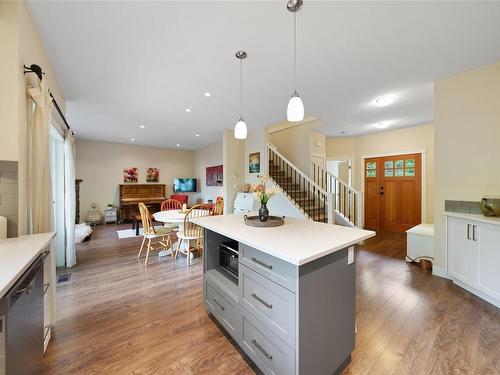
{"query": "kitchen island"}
pixel 285 294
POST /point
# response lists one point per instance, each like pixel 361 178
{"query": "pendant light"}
pixel 240 129
pixel 295 109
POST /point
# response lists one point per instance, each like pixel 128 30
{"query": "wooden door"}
pixel 393 192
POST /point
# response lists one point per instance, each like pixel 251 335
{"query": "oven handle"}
pixel 225 247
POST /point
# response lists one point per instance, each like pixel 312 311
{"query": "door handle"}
pixel 381 193
pixel 474 233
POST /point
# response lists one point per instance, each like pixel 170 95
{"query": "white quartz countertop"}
pixel 475 217
pixel 298 241
pixel 17 254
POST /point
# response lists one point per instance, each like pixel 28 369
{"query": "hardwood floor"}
pixel 117 317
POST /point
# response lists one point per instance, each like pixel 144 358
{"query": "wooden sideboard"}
pixel 132 194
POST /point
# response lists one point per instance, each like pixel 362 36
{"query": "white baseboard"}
pixel 478 293
pixel 440 272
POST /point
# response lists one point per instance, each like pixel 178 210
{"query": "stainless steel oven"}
pixel 228 257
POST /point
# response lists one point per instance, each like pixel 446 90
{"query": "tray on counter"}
pixel 272 221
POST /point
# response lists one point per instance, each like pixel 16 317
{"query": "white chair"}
pixel 154 236
pixel 191 231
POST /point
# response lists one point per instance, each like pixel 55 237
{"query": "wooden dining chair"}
pixel 157 239
pixel 218 208
pixel 191 231
pixel 170 205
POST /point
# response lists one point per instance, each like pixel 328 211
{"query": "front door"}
pixel 393 192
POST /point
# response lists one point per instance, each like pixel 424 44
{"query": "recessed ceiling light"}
pixel 188 110
pixel 196 135
pixel 142 126
pixel 132 139
pixel 383 124
pixel 207 94
pixel 384 101
pixel 178 145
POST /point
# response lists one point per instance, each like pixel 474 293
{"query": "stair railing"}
pixel 347 201
pixel 313 200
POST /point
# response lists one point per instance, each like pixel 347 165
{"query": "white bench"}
pixel 420 242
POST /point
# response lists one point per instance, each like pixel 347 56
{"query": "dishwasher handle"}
pixel 25 283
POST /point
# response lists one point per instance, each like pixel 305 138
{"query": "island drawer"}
pixel 278 270
pixel 269 302
pixel 227 313
pixel 270 353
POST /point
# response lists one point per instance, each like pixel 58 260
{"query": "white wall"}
pixel 100 165
pixel 233 151
pixel 207 157
pixel 467 133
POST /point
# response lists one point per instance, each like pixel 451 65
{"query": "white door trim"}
pixel 423 152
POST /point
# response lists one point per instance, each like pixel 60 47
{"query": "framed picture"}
pixel 130 175
pixel 254 162
pixel 152 175
pixel 214 175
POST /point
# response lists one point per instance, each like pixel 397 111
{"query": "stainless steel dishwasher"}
pixel 21 324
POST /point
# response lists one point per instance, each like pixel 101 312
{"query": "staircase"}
pixel 321 197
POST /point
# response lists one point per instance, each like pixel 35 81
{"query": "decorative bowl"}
pixel 490 205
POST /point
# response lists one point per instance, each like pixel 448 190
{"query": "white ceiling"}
pixel 121 64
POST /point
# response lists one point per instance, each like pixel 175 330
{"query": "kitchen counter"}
pixel 297 242
pixel 495 220
pixel 17 254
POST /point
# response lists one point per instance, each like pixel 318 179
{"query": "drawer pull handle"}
pixel 262 263
pixel 474 238
pixel 268 305
pixel 218 304
pixel 268 356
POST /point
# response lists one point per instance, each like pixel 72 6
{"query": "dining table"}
pixel 172 217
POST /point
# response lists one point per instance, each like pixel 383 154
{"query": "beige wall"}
pixel 391 142
pixel 207 157
pixel 233 151
pixel 100 166
pixel 20 45
pixel 467 119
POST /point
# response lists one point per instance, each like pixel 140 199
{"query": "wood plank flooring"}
pixel 117 317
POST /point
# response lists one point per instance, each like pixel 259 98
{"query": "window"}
pixel 399 168
pixel 371 169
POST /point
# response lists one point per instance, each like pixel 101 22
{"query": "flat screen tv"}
pixel 184 185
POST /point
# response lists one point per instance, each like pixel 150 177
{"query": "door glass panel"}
pixel 389 164
pixel 399 164
pixel 410 163
pixel 399 172
pixel 371 173
pixel 371 165
pixel 389 173
pixel 410 172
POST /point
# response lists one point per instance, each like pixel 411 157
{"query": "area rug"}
pixel 129 233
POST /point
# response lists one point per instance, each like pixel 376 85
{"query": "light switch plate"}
pixel 350 255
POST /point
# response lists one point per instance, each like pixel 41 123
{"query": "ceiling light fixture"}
pixel 132 139
pixel 196 135
pixel 188 110
pixel 207 94
pixel 384 101
pixel 383 124
pixel 142 126
pixel 178 145
pixel 240 129
pixel 295 109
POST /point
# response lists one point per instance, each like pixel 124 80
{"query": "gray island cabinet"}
pixel 291 304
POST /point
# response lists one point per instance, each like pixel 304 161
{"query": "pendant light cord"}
pixel 241 87
pixel 295 50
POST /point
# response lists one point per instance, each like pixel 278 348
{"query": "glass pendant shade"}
pixel 240 129
pixel 295 109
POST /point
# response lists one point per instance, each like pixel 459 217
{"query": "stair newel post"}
pixel 330 198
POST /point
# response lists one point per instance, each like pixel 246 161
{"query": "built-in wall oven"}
pixel 228 257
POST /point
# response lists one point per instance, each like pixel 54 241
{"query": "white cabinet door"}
pixel 488 247
pixel 462 257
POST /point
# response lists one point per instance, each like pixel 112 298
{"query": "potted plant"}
pixel 263 196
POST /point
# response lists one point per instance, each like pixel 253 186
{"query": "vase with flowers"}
pixel 263 195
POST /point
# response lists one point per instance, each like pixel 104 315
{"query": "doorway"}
pixel 57 177
pixel 393 192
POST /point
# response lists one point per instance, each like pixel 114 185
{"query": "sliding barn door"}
pixel 393 192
